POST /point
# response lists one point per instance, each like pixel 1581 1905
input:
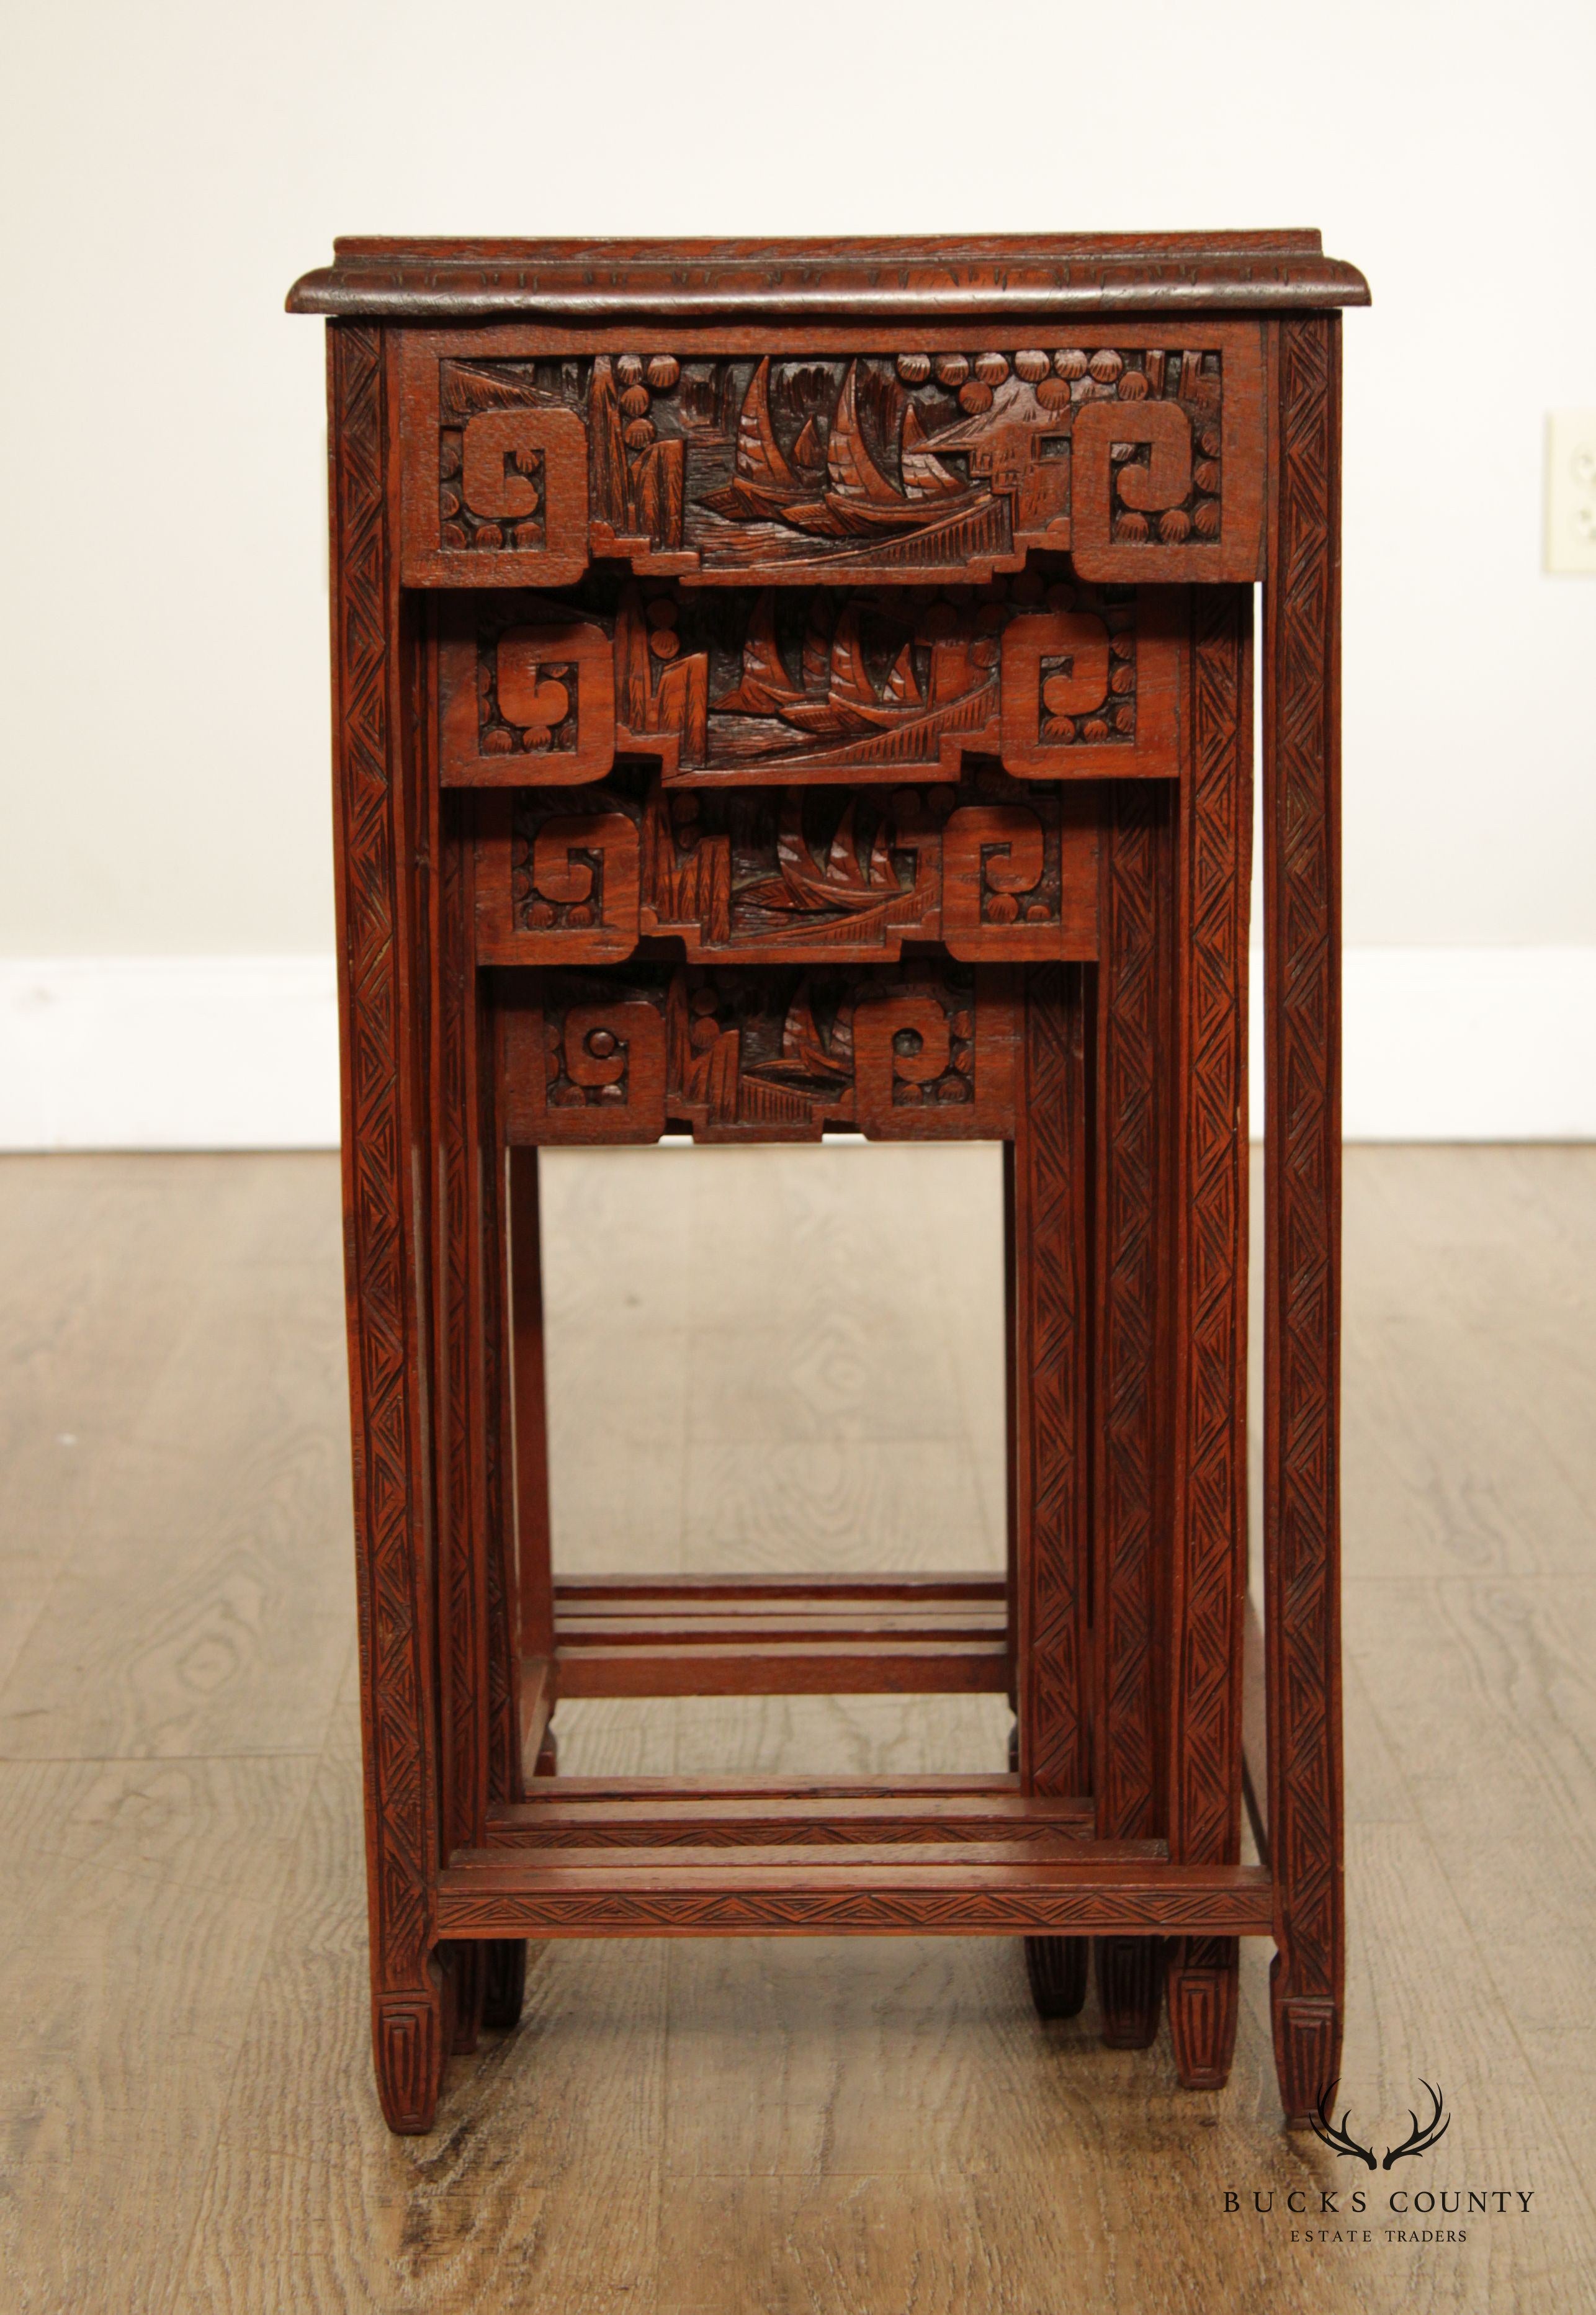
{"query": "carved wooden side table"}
pixel 782 687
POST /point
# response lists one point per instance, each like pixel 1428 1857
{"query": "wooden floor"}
pixel 784 1357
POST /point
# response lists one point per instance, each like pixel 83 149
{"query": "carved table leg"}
pixel 1205 1985
pixel 1130 1990
pixel 1011 1447
pixel 1208 1591
pixel 462 1406
pixel 504 1982
pixel 1302 1215
pixel 463 1963
pixel 1057 1969
pixel 384 1084
pixel 1130 1504
pixel 524 1621
pixel 529 1415
pixel 1047 1460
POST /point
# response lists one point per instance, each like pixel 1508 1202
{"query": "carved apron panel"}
pixel 1139 450
pixel 766 1055
pixel 995 871
pixel 1057 680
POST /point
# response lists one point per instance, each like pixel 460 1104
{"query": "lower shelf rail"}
pixel 958 1889
pixel 830 1635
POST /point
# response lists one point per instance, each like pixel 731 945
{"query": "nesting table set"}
pixel 793 687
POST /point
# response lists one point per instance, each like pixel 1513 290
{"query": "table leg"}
pixel 1302 1213
pixel 384 1068
pixel 534 1572
pixel 1130 1508
pixel 462 1405
pixel 1130 1990
pixel 522 1599
pixel 1048 1460
pixel 1208 1591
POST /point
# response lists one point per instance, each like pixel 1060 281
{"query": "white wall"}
pixel 170 166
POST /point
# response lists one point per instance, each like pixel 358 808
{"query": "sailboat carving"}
pixel 804 1057
pixel 860 498
pixel 924 474
pixel 842 882
pixel 808 452
pixel 850 706
pixel 764 480
pixel 834 489
pixel 764 687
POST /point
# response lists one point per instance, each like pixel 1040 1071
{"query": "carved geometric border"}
pixel 1241 1909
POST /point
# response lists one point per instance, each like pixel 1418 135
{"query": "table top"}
pixel 464 280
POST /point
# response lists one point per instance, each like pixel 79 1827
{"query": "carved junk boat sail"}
pixel 842 882
pixel 851 712
pixel 838 490
pixel 765 480
pixel 860 498
pixel 804 1057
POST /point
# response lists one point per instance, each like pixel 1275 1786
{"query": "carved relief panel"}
pixel 1138 452
pixel 1060 679
pixel 995 870
pixel 905 1053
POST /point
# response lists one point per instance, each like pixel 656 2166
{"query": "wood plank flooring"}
pixel 791 1358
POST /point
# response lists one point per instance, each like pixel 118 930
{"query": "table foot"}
pixel 1057 1969
pixel 1202 1976
pixel 504 1981
pixel 407 2050
pixel 1307 2046
pixel 1130 1990
pixel 463 1960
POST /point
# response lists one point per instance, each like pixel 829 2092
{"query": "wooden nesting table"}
pixel 792 687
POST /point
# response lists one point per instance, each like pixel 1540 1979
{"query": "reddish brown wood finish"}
pixel 1132 1322
pixel 529 451
pixel 999 874
pixel 721 689
pixel 533 1566
pixel 460 1410
pixel 1208 1561
pixel 664 1819
pixel 381 946
pixel 830 1635
pixel 378 277
pixel 904 1889
pixel 964 851
pixel 1302 1210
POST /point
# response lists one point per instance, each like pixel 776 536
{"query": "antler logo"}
pixel 1419 2140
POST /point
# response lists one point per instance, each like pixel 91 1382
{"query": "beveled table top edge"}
pixel 1034 275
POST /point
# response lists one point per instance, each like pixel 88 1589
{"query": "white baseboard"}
pixel 168 1053
pixel 241 1052
pixel 1462 1044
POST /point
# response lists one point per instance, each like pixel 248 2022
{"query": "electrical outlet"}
pixel 1571 490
